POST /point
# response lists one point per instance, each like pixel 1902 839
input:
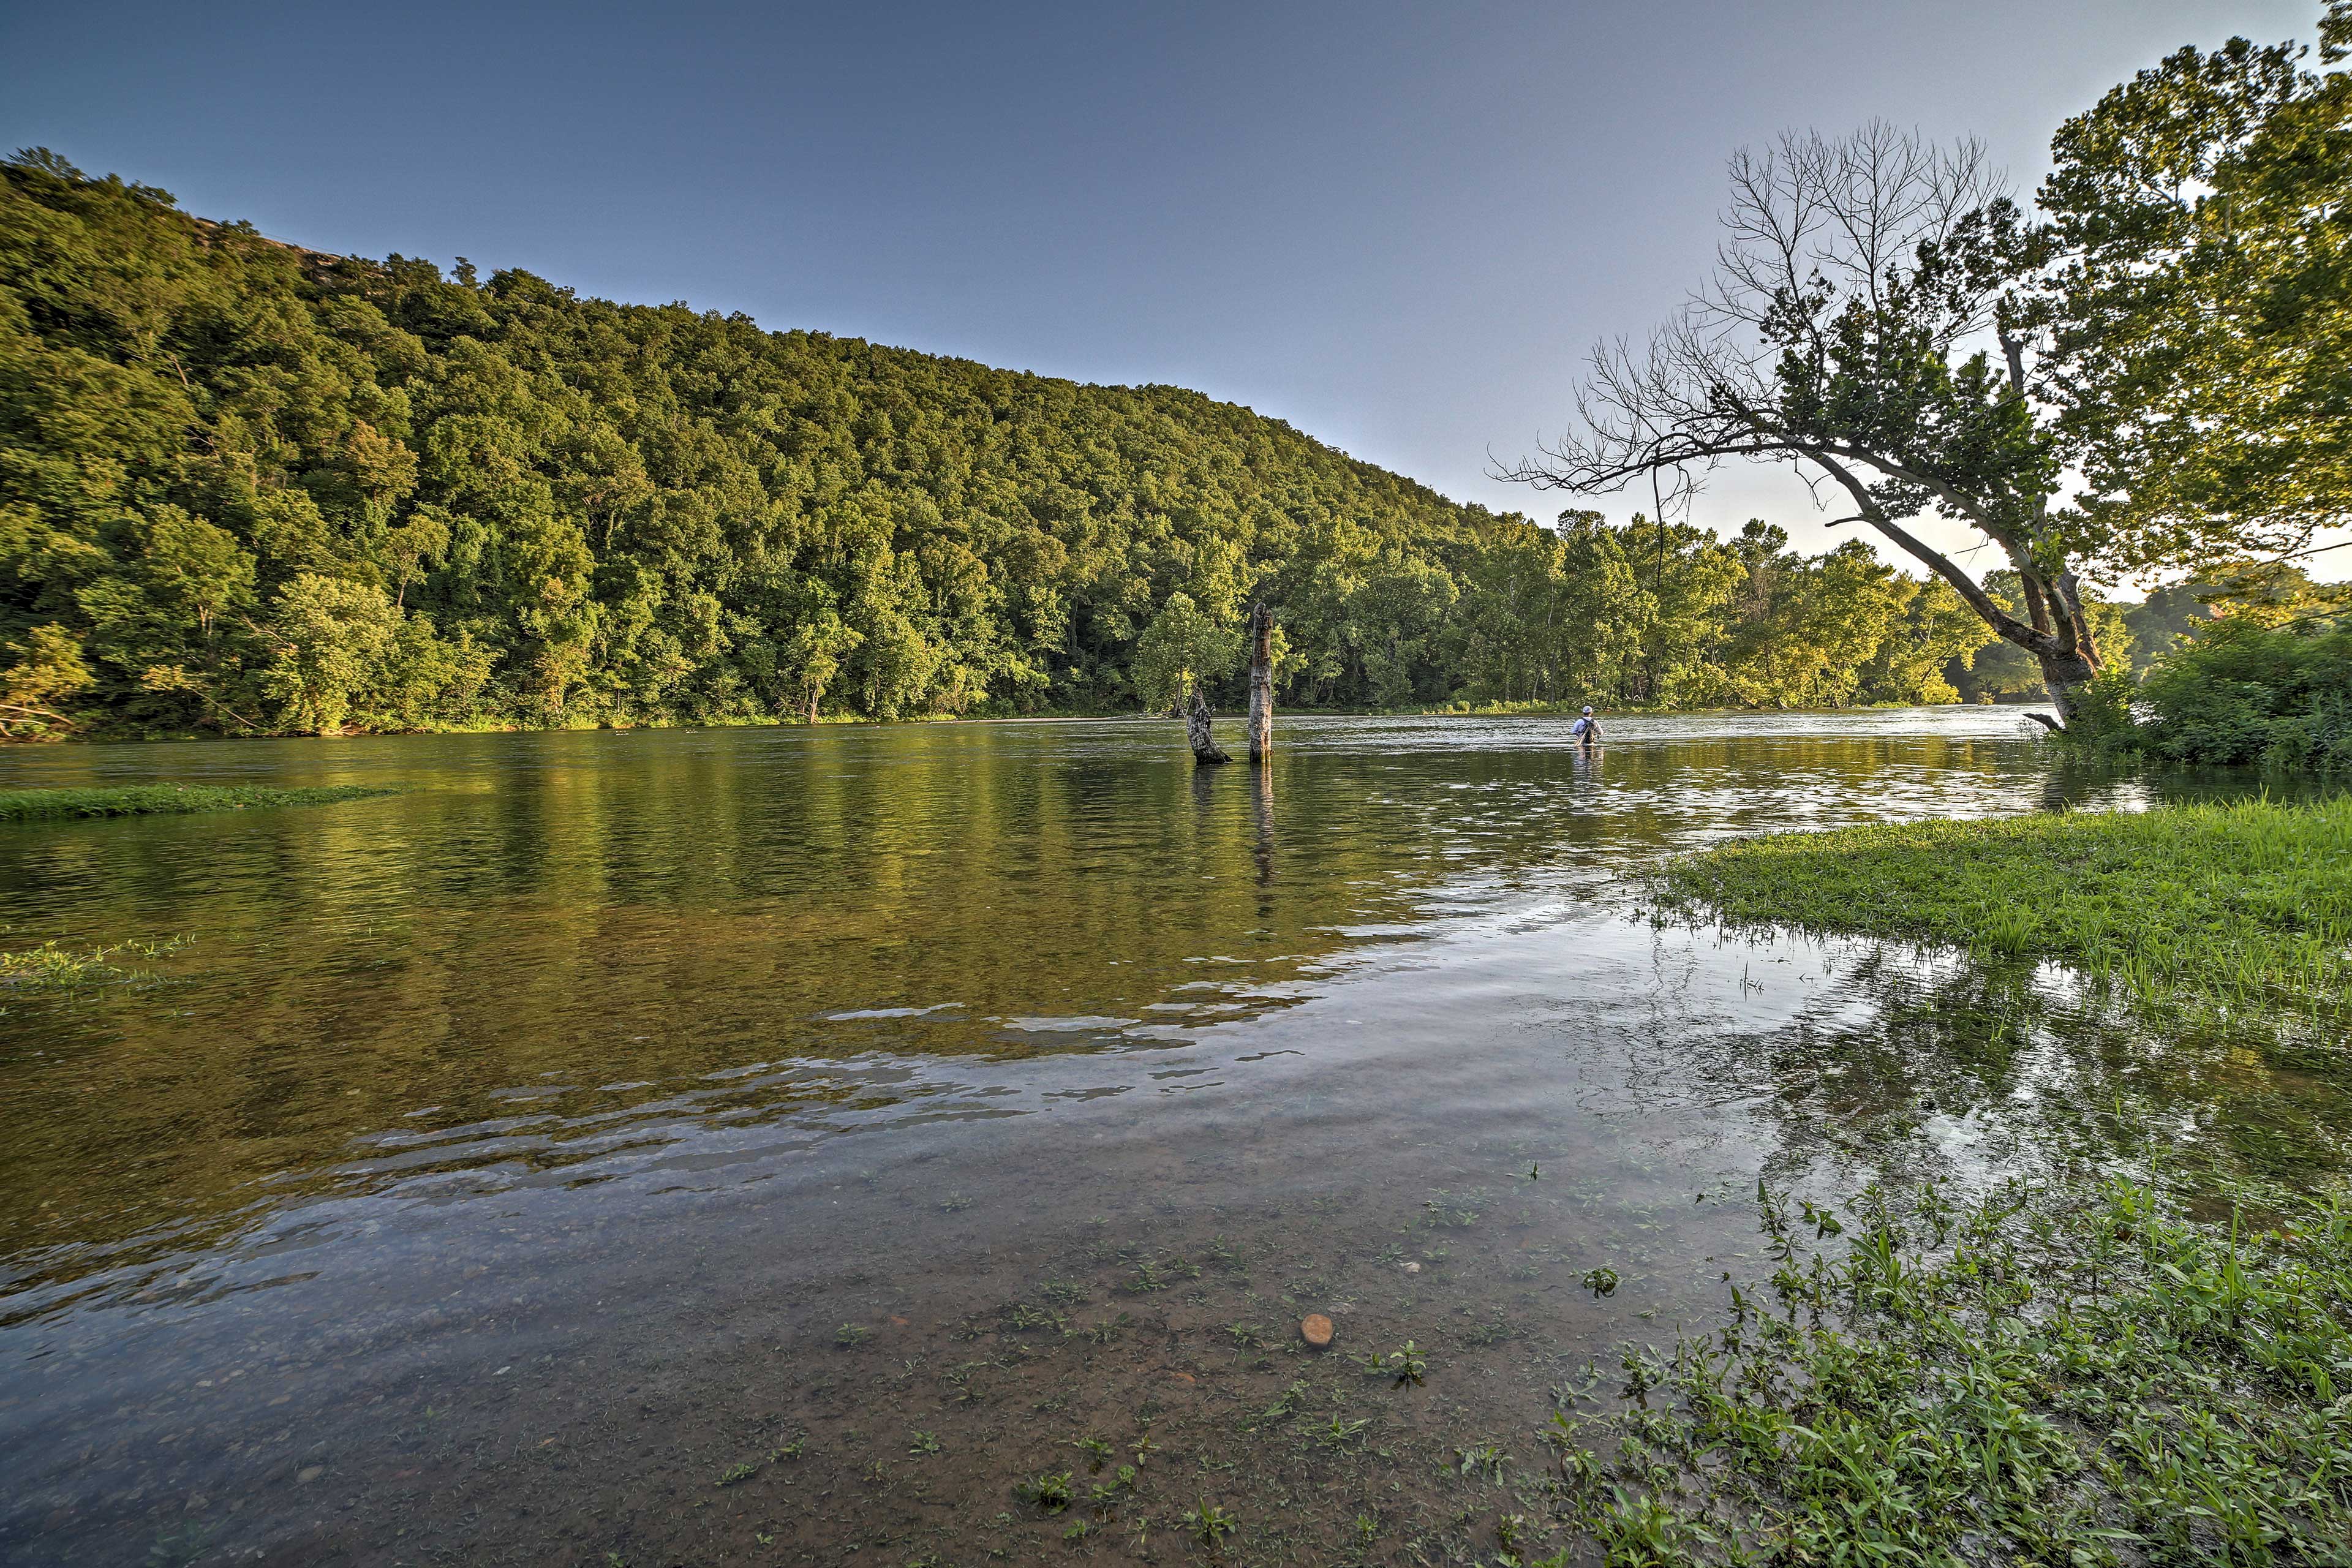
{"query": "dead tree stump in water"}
pixel 1205 749
pixel 1261 701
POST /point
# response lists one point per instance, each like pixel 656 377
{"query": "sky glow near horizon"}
pixel 1398 228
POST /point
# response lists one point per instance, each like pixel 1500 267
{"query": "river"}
pixel 778 1145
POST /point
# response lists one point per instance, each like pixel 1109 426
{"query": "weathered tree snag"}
pixel 1261 701
pixel 1205 749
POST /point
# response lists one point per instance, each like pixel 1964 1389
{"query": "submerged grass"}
pixel 145 800
pixel 2239 905
pixel 51 968
pixel 2077 1378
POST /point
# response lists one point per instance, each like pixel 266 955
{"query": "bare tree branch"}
pixel 1854 281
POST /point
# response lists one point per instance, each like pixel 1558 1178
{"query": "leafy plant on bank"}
pixel 2239 693
pixel 2072 1377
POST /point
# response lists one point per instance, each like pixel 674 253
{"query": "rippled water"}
pixel 507 1162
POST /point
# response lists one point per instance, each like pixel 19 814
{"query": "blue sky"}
pixel 1398 227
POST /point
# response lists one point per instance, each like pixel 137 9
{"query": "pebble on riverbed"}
pixel 1316 1329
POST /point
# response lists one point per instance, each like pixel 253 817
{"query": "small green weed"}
pixel 1405 1364
pixel 1210 1524
pixel 1049 1492
pixel 1338 1433
pixel 1484 1459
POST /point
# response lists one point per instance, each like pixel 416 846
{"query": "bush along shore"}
pixel 2105 1364
pixel 2238 694
pixel 148 800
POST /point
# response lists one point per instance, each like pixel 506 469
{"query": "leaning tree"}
pixel 1883 318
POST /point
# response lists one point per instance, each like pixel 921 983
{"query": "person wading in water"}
pixel 1586 730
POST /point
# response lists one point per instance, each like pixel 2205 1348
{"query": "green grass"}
pixel 2074 1378
pixel 146 800
pixel 2063 1372
pixel 2243 905
pixel 50 967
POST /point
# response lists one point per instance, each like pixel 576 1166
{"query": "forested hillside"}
pixel 248 488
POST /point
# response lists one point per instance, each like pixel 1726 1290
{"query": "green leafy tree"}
pixel 412 549
pixel 1839 336
pixel 1395 616
pixel 2200 311
pixel 45 672
pixel 1513 606
pixel 2166 619
pixel 1938 635
pixel 1179 649
pixel 1687 576
pixel 814 654
pixel 1602 613
pixel 333 643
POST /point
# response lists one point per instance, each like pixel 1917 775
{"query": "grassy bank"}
pixel 2067 1371
pixel 147 800
pixel 2066 1378
pixel 2239 905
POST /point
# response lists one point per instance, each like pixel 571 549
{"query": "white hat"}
pixel 1588 708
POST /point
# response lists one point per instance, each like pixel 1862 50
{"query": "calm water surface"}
pixel 775 1145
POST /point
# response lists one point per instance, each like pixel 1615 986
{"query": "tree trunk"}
pixel 2057 632
pixel 2065 675
pixel 1205 750
pixel 1261 699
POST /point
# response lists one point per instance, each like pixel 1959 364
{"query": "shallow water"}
pixel 508 1165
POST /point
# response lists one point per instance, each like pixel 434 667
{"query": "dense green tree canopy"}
pixel 2201 306
pixel 248 488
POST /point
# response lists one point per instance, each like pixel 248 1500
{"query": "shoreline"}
pixel 1560 710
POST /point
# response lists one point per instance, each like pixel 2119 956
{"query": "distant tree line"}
pixel 247 488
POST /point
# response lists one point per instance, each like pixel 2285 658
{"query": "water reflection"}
pixel 630 1056
pixel 638 910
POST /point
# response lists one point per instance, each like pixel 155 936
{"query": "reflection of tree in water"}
pixel 1916 1065
pixel 2091 785
pixel 1262 798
